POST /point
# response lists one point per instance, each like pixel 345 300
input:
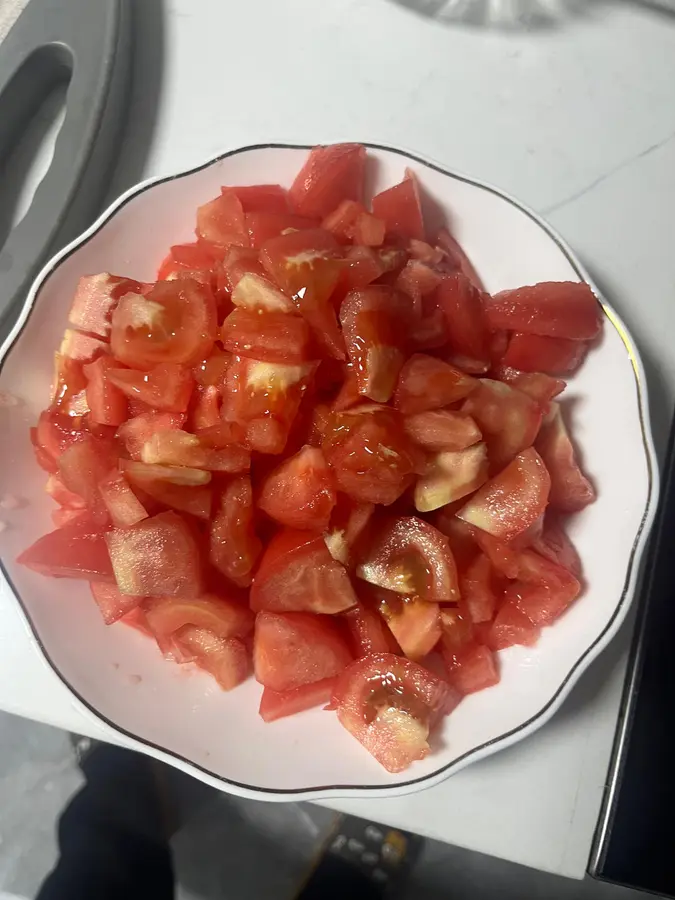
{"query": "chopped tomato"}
pixel 96 297
pixel 501 554
pixel 390 705
pixel 197 500
pixel 166 386
pixel 457 630
pixel 297 573
pixel 300 493
pixel 257 293
pixel 554 544
pixel 511 626
pixel 330 174
pixel 451 475
pixel 278 704
pixel 157 557
pixel 221 616
pixel 409 556
pixel 427 383
pixel 262 226
pixel 122 504
pixel 508 419
pixel 56 432
pixel 543 589
pixel 238 263
pixel 270 336
pixel 69 395
pixel 205 408
pixel 478 589
pixel 82 466
pixel 462 304
pixel 260 197
pixel 510 502
pixel 348 523
pixel 418 280
pixel 65 516
pixel 361 266
pixel 81 347
pixel 472 668
pixel 400 209
pixel 227 659
pixel 369 632
pixel 560 309
pixel 111 602
pixel 540 387
pixel 197 261
pixel 430 332
pixel 349 392
pixel 179 448
pixel 61 495
pixel 221 220
pixel 295 648
pixel 442 429
pixel 415 623
pixel 351 221
pixel 107 404
pixel 456 258
pixel 136 431
pixel 234 546
pixel 537 353
pixel 77 550
pixel 571 491
pixel 174 323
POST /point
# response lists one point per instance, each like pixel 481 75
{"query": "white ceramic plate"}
pixel 181 716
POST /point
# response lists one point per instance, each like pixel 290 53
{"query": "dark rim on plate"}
pixel 567 682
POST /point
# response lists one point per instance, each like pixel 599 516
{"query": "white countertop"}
pixel 578 121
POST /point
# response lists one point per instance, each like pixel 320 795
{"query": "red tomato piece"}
pixel 415 623
pixel 234 547
pixel 374 322
pixel 369 631
pixel 511 626
pixel 297 573
pixel 135 432
pixel 540 387
pixel 81 347
pixel 400 209
pixel 442 429
pixel 457 631
pixel 261 197
pixel 427 383
pixel 451 475
pixel 410 556
pixel 77 550
pixel 56 432
pixel 96 297
pixel 554 544
pixel 221 220
pixel 468 340
pixel 157 557
pixel 571 491
pixel 373 460
pixel 205 411
pixel 237 263
pixel 107 404
pixel 430 332
pixel 166 386
pixel 368 231
pixel 65 516
pixel 348 524
pixel 349 392
pixel 61 495
pixel 227 660
pixel 478 589
pixel 342 220
pixel 456 258
pixel 296 648
pixel 174 323
pixel 82 466
pixel 196 500
pixel 543 589
pixel 111 603
pixel 508 419
pixel 361 266
pixel 278 704
pixel 122 504
pixel 390 705
pixel 196 260
pixel 418 280
pixel 270 336
pixel 537 353
pixel 511 501
pixel 69 395
pixel 177 475
pixel 300 493
pixel 220 615
pixel 263 226
pixel 330 174
pixel 559 309
pixel 257 293
pixel 462 544
pixel 471 669
pixel 502 555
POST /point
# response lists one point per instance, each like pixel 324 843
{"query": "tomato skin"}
pixel 300 493
pixel 157 557
pixel 559 309
pixel 112 604
pixel 107 404
pixel 220 615
pixel 571 491
pixel 511 501
pixel 96 296
pixel 297 573
pixel 428 383
pixel 296 648
pixel 400 209
pixel 166 387
pixel 269 336
pixel 410 556
pixel 330 174
pixel 471 669
pixel 234 546
pixel 462 305
pixel 77 550
pixel 389 705
pixel 278 704
pixel 536 353
pixel 442 429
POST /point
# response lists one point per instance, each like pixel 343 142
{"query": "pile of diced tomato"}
pixel 317 449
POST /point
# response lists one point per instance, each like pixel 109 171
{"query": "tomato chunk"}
pixel 166 386
pixel 107 404
pixel 196 260
pixel 554 544
pixel 415 623
pixel 427 383
pixel 96 296
pixel 511 626
pixel 537 385
pixel 462 305
pixel 348 523
pixel 227 660
pixel 571 491
pixel 135 432
pixel 456 257
pixel 543 589
pixel 157 557
pixel 123 505
pixel 536 353
pixel 297 573
pixel 295 648
pixel 278 704
pixel 112 604
pixel 400 209
pixel 451 475
pixel 330 174
pixel 442 429
pixel 221 616
pixel 234 546
pixel 260 197
pixel 478 589
pixel 262 226
pixel 559 309
pixel 77 550
pixel 270 336
pixel 369 632
pixel 471 669
pixel 390 705
pixel 221 220
pixel 409 556
pixel 511 501
pixel 508 419
pixel 300 493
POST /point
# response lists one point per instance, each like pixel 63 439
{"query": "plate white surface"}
pixel 181 716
